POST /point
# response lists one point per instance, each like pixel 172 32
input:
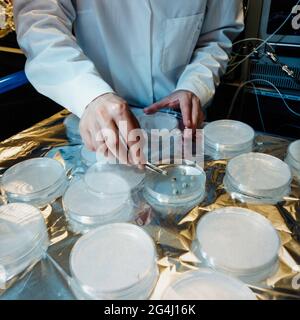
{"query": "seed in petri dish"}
pixel 185 185
pixel 173 179
pixel 175 191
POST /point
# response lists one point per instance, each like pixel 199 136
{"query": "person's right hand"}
pixel 101 120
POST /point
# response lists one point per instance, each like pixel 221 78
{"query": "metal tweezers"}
pixel 156 169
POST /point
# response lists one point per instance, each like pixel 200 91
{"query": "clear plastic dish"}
pixel 225 154
pixel 36 181
pixel 293 159
pixel 259 175
pixel 113 179
pixel 23 239
pixel 89 158
pixel 158 121
pixel 248 198
pixel 228 135
pixel 85 210
pixel 293 154
pixel 123 268
pixel 71 124
pixel 206 284
pixel 239 242
pixel 178 192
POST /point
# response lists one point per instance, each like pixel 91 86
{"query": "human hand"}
pixel 188 103
pixel 100 128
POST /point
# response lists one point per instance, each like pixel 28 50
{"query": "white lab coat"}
pixel 141 49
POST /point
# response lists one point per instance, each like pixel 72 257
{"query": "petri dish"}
pixel 113 179
pixel 90 210
pixel 259 174
pixel 225 154
pixel 294 153
pixel 37 181
pixel 273 198
pixel 182 183
pixel 229 135
pixel 230 240
pixel 206 284
pixel 293 158
pixel 158 121
pixel 23 238
pixel 125 258
pixel 178 192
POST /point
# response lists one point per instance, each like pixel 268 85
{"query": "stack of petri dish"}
pixel 106 194
pixel 71 124
pixel 89 158
pixel 163 134
pixel 226 139
pixel 293 159
pixel 206 284
pixel 238 242
pixel 178 192
pixel 23 239
pixel 36 181
pixel 85 210
pixel 258 178
pixel 114 262
pixel 159 120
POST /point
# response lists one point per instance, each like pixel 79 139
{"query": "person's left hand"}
pixel 188 103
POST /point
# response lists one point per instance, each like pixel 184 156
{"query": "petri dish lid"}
pixel 258 172
pixel 112 258
pixel 158 120
pixel 82 203
pixel 206 284
pixel 113 179
pixel 21 227
pixel 237 240
pixel 32 176
pixel 228 133
pixel 183 183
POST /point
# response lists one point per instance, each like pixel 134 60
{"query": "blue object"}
pixel 13 81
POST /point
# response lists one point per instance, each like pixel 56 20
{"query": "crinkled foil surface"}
pixel 49 278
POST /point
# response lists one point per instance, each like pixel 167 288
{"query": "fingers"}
pixel 86 136
pixel 112 141
pixel 88 140
pixel 186 110
pixel 157 106
pixel 195 112
pixel 127 123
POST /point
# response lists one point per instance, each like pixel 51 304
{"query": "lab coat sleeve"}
pixel 223 22
pixel 56 65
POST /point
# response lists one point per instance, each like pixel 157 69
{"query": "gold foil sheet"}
pixel 173 238
pixel 9 24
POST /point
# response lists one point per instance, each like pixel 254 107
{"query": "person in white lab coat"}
pixel 97 57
